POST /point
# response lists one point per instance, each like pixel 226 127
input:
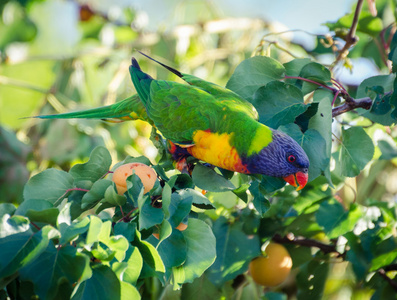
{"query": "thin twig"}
pixel 126 217
pixel 311 81
pixel 392 283
pixel 351 38
pixel 325 248
pixel 37 227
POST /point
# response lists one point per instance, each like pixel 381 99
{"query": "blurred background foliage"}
pixel 58 56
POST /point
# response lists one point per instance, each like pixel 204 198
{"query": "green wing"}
pixel 178 110
pixel 130 108
pixel 218 92
pixel 221 93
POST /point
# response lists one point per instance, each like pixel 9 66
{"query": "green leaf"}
pixel 274 296
pixel 198 199
pixel 55 267
pixel 69 233
pixel 316 72
pixel 111 197
pixel 385 81
pixel 173 249
pixel 278 103
pixel 152 263
pixel 201 252
pixel 166 199
pixel 271 184
pixel 125 229
pixel 179 208
pixel 103 285
pixel 135 188
pixel 389 150
pixel 7 209
pixel 96 193
pixel 200 288
pixel 381 103
pixel 149 215
pixel 294 67
pixel 336 221
pixel 314 145
pixel 38 211
pixel 94 230
pixel 261 204
pixel 207 179
pixel 234 251
pixel 130 269
pixel 49 185
pixel 253 73
pixel 357 150
pixel 181 181
pixel 165 231
pixel 18 250
pixel 383 260
pixel 311 279
pixel 96 167
pixel 370 24
pixel 12 225
pixel 322 122
pixel 128 291
pixel 367 23
pixel 358 255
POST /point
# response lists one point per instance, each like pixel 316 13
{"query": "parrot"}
pixel 207 121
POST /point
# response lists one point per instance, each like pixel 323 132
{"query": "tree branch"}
pixel 392 283
pixel 351 38
pixel 325 248
pixel 391 267
pixel 351 104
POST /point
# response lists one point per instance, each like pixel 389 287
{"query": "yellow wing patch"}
pixel 215 149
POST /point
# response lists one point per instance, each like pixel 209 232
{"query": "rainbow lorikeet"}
pixel 208 122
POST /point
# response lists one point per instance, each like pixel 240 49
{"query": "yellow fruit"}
pixel 272 269
pixel 144 172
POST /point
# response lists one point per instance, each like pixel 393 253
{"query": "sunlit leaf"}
pixel 96 167
pixel 200 252
pixel 278 103
pixel 38 211
pixel 253 73
pixel 357 150
pixel 23 248
pixel 95 194
pixel 103 285
pixel 234 251
pixel 207 179
pixel 49 185
pixel 53 268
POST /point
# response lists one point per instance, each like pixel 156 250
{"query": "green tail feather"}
pixel 131 108
pixel 141 81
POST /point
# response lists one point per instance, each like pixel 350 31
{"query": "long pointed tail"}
pixel 130 108
pixel 176 72
pixel 141 81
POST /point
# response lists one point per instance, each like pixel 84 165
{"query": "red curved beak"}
pixel 298 180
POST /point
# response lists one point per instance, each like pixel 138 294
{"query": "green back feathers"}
pixel 179 110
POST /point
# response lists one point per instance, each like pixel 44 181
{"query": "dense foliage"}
pixel 66 233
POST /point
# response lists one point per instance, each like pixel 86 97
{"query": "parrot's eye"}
pixel 291 158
